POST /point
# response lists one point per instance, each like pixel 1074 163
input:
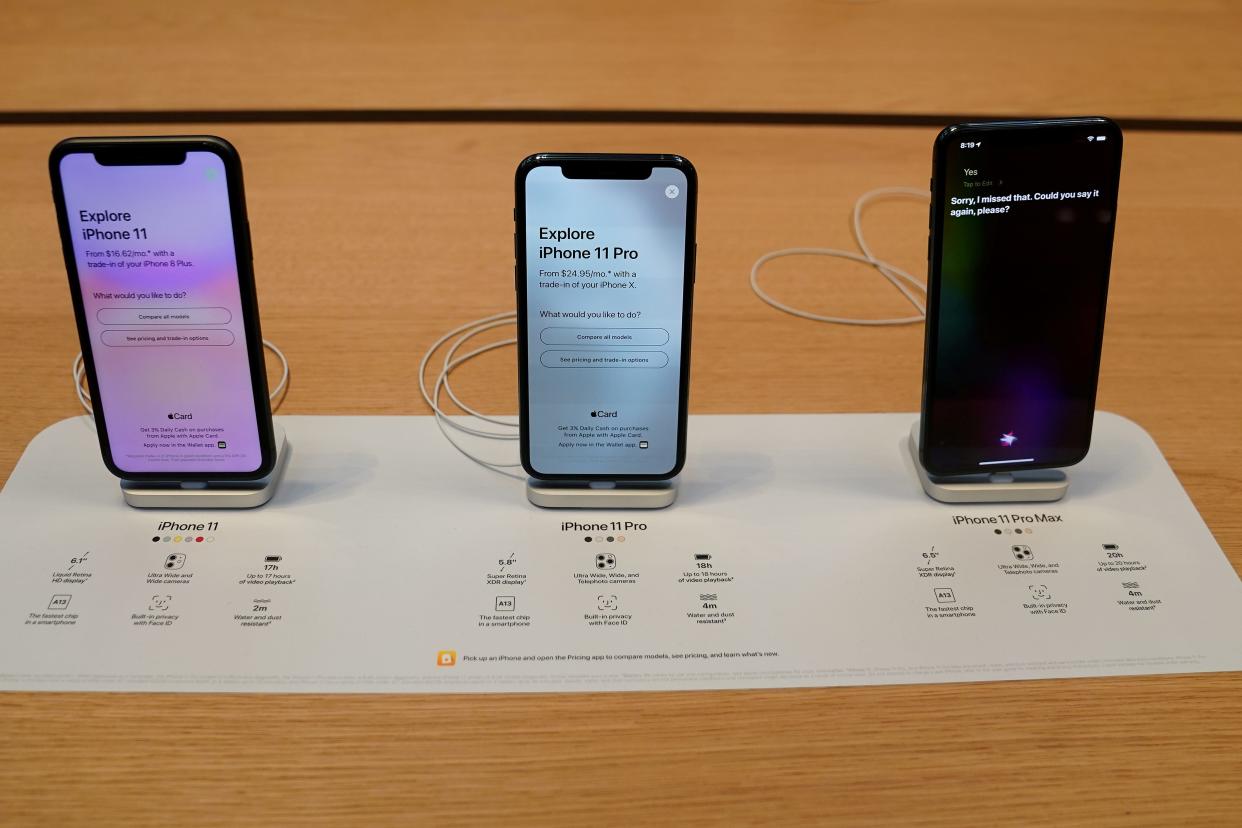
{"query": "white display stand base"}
pixel 211 495
pixel 583 495
pixel 802 553
pixel 1034 486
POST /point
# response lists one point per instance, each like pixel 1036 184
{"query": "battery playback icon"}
pixel 702 556
pixel 272 558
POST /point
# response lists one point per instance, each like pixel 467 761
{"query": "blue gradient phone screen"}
pixel 605 277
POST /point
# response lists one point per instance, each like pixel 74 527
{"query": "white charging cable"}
pixel 909 286
pixel 505 429
pixel 84 394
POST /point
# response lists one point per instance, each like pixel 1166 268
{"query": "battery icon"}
pixel 1101 137
pixel 702 556
pixel 273 559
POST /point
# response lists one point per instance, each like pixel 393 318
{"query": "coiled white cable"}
pixel 900 279
pixel 895 275
pixel 464 333
pixel 84 394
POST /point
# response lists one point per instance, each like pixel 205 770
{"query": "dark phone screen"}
pixel 155 258
pixel 1019 281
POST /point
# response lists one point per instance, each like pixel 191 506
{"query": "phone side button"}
pixel 929 247
pixel 515 277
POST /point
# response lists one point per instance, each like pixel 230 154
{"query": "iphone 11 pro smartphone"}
pixel 605 277
pixel 157 248
pixel 1021 239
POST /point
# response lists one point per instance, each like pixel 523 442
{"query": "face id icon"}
pixel 944 595
pixel 605 560
pixel 174 561
pixel 1022 552
pixel 506 603
pixel 606 602
pixel 160 602
pixel 446 658
pixel 1040 592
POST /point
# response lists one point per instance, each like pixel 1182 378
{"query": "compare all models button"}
pixel 604 336
pixel 159 339
pixel 603 359
pixel 164 316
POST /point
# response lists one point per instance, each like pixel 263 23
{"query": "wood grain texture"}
pixel 372 240
pixel 1142 58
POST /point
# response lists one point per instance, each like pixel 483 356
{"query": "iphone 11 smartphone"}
pixel 157 248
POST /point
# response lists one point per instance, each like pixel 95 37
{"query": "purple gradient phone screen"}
pixel 157 268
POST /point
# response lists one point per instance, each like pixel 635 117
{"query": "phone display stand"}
pixel 583 494
pixel 1034 486
pixel 245 494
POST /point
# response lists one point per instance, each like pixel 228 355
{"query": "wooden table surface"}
pixel 1125 58
pixel 362 263
pixel 372 238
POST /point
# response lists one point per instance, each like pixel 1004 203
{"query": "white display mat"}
pixel 827 566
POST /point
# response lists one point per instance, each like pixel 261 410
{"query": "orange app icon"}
pixel 446 658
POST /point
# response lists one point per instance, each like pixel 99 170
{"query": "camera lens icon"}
pixel 672 191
